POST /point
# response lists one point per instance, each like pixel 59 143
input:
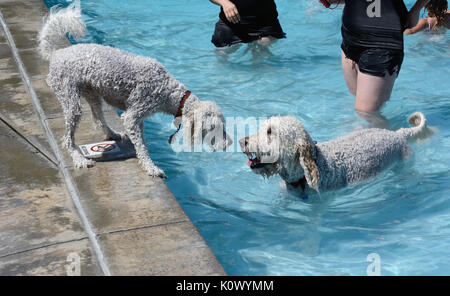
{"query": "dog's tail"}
pixel 58 23
pixel 418 124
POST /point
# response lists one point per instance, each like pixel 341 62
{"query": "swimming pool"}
pixel 253 225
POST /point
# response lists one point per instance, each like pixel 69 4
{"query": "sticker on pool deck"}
pixel 97 150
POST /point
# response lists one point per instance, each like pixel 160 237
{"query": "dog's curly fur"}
pixel 283 146
pixel 138 85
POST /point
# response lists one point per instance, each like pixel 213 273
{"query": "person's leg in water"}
pixel 260 45
pixel 350 69
pixel 266 41
pixel 228 49
pixel 260 48
pixel 371 92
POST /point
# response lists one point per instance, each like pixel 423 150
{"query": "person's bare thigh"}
pixel 373 91
pixel 350 69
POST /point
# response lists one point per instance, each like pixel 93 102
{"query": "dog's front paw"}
pixel 85 163
pixel 156 172
pixel 79 161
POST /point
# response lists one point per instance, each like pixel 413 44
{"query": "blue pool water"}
pixel 254 226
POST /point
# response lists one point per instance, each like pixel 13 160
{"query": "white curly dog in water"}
pixel 138 85
pixel 283 146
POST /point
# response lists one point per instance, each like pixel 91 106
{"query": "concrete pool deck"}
pixel 113 217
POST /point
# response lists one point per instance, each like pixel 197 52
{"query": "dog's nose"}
pixel 243 142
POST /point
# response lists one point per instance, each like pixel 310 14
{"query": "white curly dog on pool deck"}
pixel 283 146
pixel 138 85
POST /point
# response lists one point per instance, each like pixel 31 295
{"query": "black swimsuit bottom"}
pixel 373 36
pixel 259 18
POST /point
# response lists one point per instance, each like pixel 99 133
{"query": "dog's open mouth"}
pixel 254 162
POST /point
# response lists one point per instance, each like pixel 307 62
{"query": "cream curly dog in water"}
pixel 138 85
pixel 283 146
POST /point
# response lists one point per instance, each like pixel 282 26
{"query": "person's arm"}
pixel 230 10
pixel 421 25
pixel 413 14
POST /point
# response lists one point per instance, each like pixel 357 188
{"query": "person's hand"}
pixel 231 12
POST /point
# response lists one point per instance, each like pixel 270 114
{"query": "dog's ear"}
pixel 305 151
pixel 177 123
pixel 193 123
pixel 186 121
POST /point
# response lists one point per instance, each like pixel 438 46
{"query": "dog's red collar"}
pixel 301 182
pixel 182 102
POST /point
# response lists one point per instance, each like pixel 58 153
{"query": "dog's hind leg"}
pixel 133 123
pixel 72 114
pixel 95 103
